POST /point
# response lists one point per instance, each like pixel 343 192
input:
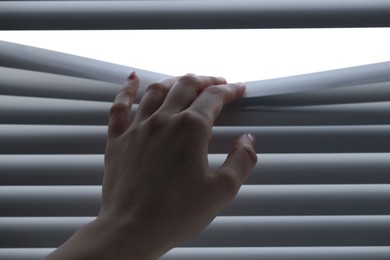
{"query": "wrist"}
pixel 106 240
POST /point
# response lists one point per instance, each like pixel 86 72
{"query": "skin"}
pixel 158 191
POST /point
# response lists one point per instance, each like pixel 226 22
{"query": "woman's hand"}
pixel 158 190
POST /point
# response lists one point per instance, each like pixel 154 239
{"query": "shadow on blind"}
pixel 321 189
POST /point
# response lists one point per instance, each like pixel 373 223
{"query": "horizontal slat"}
pixel 51 169
pixel 26 110
pixel 251 200
pixel 271 169
pixel 279 253
pixel 32 110
pixel 296 231
pixel 24 253
pixel 310 200
pixel 234 253
pixel 50 200
pixel 223 231
pixel 43 139
pixel 73 15
pixel 22 139
pixel 307 139
pixel 337 114
pixel 18 82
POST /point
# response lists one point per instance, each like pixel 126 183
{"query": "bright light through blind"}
pixel 238 55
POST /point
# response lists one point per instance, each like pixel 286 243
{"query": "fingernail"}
pixel 132 75
pixel 251 138
pixel 240 84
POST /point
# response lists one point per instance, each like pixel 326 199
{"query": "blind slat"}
pixel 223 231
pixel 279 253
pixel 41 84
pixel 41 60
pixel 251 200
pixel 234 253
pixel 26 110
pixel 43 139
pixel 340 168
pixel 73 15
pixel 33 110
pixel 332 92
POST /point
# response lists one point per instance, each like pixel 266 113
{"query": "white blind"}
pixel 321 189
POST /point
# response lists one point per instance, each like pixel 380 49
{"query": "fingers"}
pixel 185 90
pixel 210 102
pixel 236 168
pixel 204 95
pixel 120 110
pixel 153 97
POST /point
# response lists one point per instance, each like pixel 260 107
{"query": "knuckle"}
pixel 193 120
pixel 249 152
pixel 156 86
pixel 157 121
pixel 215 90
pixel 118 108
pixel 189 79
pixel 129 91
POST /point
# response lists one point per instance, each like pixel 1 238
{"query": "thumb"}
pixel 237 166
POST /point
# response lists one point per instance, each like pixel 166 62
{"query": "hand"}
pixel 158 190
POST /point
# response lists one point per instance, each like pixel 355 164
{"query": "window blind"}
pixel 321 189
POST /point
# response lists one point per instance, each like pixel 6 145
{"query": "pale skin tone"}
pixel 158 191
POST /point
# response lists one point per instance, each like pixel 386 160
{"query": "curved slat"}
pixel 79 169
pixel 32 110
pixel 252 200
pixel 344 85
pixel 19 82
pixel 326 92
pixel 234 253
pixel 37 59
pixel 274 91
pixel 223 231
pixel 42 139
pixel 54 15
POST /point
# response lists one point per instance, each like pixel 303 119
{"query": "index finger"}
pixel 212 99
pixel 119 119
